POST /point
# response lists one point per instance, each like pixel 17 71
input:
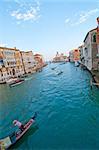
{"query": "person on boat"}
pixel 19 124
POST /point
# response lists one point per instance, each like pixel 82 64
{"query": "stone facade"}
pixel 39 61
pixel 74 55
pixel 91 50
pixel 15 63
pixel 60 58
pixel 9 66
pixel 28 61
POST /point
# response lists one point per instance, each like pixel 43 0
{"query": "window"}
pixel 94 37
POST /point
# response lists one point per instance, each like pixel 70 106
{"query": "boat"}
pixel 60 72
pixel 10 140
pixel 53 68
pixel 16 82
pixel 77 64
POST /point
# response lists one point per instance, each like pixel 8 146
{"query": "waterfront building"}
pixel 15 63
pixel 91 50
pixel 74 55
pixel 71 56
pixel 97 36
pixel 82 54
pixel 39 61
pixel 56 58
pixel 60 58
pixel 19 64
pixel 28 61
pixel 9 66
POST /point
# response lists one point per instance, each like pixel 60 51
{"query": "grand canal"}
pixel 68 110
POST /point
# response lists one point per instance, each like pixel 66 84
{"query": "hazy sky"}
pixel 46 26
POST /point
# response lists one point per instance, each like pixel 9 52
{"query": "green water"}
pixel 68 110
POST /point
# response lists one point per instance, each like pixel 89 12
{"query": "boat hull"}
pixel 9 141
pixel 14 84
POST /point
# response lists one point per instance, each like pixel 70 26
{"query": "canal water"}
pixel 68 110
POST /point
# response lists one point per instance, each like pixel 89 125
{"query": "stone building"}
pixel 82 54
pixel 28 61
pixel 60 57
pixel 71 56
pixel 10 63
pixel 74 55
pixel 91 50
pixel 39 61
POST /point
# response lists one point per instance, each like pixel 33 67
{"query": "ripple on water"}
pixel 67 109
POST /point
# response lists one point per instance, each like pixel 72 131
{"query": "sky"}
pixel 46 26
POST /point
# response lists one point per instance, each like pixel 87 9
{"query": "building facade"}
pixel 91 50
pixel 28 61
pixel 39 61
pixel 82 54
pixel 9 66
pixel 97 36
pixel 19 64
pixel 71 56
pixel 60 58
pixel 74 55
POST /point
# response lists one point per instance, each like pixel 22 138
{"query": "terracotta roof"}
pixel 37 55
pixel 9 48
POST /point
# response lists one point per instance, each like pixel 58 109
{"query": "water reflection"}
pixel 28 134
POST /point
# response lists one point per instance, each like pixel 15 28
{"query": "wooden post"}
pixel 91 84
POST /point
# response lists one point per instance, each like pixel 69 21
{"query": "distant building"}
pixel 39 61
pixel 56 58
pixel 71 56
pixel 82 54
pixel 28 61
pixel 74 55
pixel 60 58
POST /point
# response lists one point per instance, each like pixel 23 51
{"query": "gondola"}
pixel 10 140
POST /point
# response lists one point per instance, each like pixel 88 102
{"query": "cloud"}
pixel 82 17
pixel 67 20
pixel 3 45
pixel 26 11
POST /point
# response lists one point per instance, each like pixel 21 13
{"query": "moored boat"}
pixel 16 82
pixel 59 72
pixel 77 64
pixel 10 140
